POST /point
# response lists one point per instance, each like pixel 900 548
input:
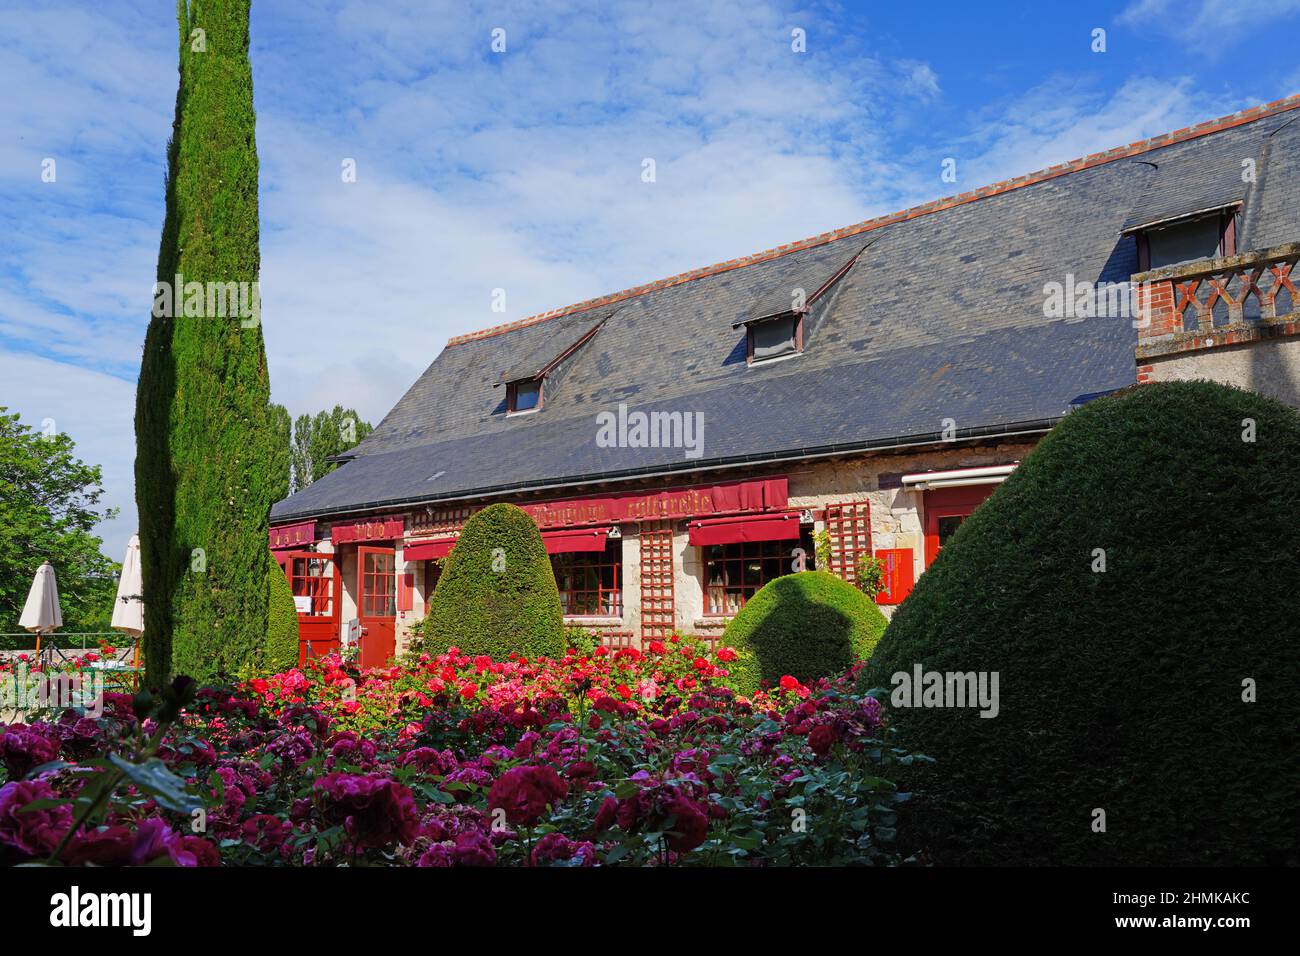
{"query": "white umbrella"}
pixel 128 608
pixel 41 612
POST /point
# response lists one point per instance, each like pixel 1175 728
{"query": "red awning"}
pixel 425 550
pixel 779 527
pixel 575 539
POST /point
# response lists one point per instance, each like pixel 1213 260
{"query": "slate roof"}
pixel 941 317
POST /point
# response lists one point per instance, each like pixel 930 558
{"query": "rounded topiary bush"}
pixel 807 625
pixel 497 602
pixel 1120 689
pixel 281 623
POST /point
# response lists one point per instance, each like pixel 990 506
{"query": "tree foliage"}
pixel 317 437
pixel 49 506
pixel 203 474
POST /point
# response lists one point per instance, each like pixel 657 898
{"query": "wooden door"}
pixel 377 605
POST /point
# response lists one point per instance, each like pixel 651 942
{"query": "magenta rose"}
pixel 23 748
pixel 374 811
pixel 35 832
pixel 524 793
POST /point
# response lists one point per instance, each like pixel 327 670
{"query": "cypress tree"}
pixel 203 474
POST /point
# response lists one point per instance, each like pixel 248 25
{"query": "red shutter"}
pixel 405 591
pixel 896 583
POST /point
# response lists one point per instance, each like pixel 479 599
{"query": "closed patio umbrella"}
pixel 41 612
pixel 128 606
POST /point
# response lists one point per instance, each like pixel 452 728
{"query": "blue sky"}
pixel 522 170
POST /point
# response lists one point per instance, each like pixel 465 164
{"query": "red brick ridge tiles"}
pixel 1007 185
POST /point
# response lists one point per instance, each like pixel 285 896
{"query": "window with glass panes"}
pixel 591 582
pixel 313 577
pixel 733 572
pixel 379 584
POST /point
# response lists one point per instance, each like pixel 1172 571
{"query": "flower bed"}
pixel 609 758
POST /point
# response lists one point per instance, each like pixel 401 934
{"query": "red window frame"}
pixel 943 503
pixel 734 572
pixel 591 582
pixel 317 583
pixel 379 584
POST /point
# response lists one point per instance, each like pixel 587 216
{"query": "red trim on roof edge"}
pixel 1007 185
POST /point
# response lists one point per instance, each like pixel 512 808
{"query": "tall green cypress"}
pixel 203 472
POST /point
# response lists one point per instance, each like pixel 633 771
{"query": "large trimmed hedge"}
pixel 1119 690
pixel 282 623
pixel 808 625
pixel 485 606
pixel 203 472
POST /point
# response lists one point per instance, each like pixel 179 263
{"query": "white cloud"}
pixel 1210 26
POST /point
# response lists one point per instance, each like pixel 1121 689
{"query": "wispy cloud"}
pixel 1211 27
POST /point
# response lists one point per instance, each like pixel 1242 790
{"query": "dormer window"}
pixel 1210 235
pixel 775 338
pixel 539 366
pixel 777 323
pixel 524 395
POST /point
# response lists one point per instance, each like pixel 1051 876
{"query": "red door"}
pixel 377 605
pixel 945 509
pixel 314 578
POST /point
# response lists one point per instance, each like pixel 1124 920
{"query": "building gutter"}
pixel 1008 430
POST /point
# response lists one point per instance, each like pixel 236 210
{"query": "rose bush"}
pixel 600 758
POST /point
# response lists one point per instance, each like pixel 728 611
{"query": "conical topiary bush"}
pixel 497 593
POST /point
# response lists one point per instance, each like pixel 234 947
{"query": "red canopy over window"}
pixel 779 527
pixel 426 550
pixel 575 539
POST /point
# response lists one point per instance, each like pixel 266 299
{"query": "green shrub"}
pixel 807 625
pixel 581 640
pixel 495 602
pixel 1122 689
pixel 282 624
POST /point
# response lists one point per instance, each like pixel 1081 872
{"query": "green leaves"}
pixel 152 777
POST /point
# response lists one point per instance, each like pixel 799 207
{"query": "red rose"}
pixel 524 793
pixel 821 739
pixel 606 814
pixel 789 683
pixel 726 654
pixel 110 847
pixel 689 827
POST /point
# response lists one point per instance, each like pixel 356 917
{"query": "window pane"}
pixel 1184 242
pixel 772 338
pixel 590 581
pixel 526 395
